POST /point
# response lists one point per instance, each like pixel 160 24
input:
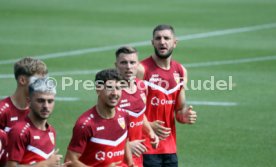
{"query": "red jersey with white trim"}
pixel 3 144
pixel 163 90
pixel 135 105
pixel 29 145
pixel 10 115
pixel 100 141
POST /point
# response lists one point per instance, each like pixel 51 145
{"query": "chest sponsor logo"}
pixel 133 124
pixel 155 101
pixel 52 137
pixel 101 155
pixel 122 122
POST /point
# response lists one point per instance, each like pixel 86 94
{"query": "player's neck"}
pixel 19 99
pixel 39 124
pixel 162 63
pixel 132 88
pixel 104 111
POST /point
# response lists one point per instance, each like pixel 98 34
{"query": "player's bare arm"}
pixel 140 72
pixel 148 130
pixel 73 157
pixel 128 155
pixel 137 147
pixel 184 114
pixel 160 130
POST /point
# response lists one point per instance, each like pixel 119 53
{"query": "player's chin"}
pixel 112 104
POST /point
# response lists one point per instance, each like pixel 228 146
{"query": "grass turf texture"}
pixel 242 135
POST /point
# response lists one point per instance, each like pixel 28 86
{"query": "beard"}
pixel 165 56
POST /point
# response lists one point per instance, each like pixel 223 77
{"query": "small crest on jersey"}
pixel 176 77
pixel 121 122
pixel 144 98
pixel 52 137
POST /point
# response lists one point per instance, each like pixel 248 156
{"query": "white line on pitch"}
pixel 192 65
pixel 145 43
pixel 212 103
pixel 57 98
pixel 203 103
pixel 225 62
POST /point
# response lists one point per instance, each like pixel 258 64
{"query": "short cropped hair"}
pixel 163 27
pixel 126 50
pixel 29 66
pixel 42 85
pixel 107 74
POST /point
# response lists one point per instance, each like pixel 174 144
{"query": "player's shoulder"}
pixel 2 132
pixel 86 117
pixel 5 104
pixel 121 111
pixel 51 128
pixel 146 60
pixel 139 82
pixel 176 63
pixel 21 127
pixel 178 66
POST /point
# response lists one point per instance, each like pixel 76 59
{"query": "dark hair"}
pixel 126 50
pixel 107 74
pixel 29 66
pixel 163 27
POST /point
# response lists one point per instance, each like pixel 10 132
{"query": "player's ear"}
pixel 22 80
pixel 28 99
pixel 99 87
pixel 175 43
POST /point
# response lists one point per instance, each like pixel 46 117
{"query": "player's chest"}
pixel 109 129
pixel 43 140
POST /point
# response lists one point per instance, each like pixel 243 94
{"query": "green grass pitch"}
pixel 224 136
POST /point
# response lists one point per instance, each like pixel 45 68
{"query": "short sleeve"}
pixel 80 137
pixel 18 140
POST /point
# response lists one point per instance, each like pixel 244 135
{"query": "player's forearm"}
pixel 15 164
pixel 74 158
pixel 180 115
pixel 147 128
pixel 128 155
pixel 77 164
pixel 186 115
